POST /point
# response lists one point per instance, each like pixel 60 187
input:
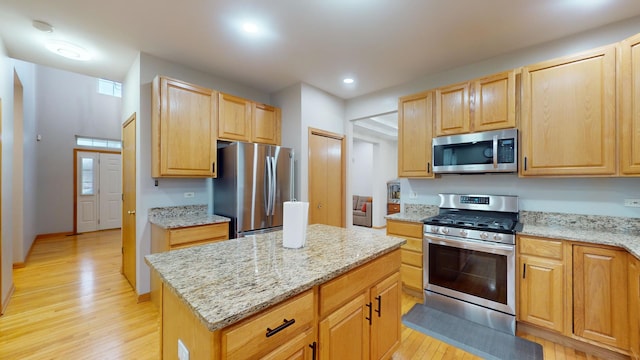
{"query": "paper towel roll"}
pixel 294 224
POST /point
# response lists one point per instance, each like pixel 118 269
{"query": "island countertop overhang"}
pixel 228 281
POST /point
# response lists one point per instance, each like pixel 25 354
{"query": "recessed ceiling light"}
pixel 250 28
pixel 68 50
pixel 42 26
pixel 348 81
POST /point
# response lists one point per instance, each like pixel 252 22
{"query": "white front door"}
pixel 87 197
pixel 110 190
pixel 99 191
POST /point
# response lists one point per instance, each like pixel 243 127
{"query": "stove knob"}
pixel 497 237
pixel 445 230
pixel 434 229
pixel 484 236
pixel 464 233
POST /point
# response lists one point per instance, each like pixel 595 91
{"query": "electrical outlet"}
pixel 632 202
pixel 183 352
pixel 413 195
pixel 189 194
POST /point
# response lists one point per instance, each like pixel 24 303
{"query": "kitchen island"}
pixel 251 297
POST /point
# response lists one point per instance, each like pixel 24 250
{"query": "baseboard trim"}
pixel 5 301
pixel 415 293
pixel 144 297
pixel 53 235
pixel 588 348
pixel 19 265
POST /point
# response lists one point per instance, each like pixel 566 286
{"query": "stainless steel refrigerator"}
pixel 254 180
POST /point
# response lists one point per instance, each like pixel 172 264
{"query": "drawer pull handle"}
pixel 286 323
pixel 369 305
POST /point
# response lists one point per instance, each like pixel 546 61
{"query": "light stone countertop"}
pixel 183 216
pixel 623 232
pixel 227 281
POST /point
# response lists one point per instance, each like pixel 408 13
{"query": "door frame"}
pixel 342 138
pixel 131 278
pixel 75 180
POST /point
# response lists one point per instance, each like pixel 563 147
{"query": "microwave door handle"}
pixel 495 151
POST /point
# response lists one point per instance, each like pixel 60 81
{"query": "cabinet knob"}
pixel 131 212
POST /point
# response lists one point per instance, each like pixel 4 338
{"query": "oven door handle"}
pixel 469 244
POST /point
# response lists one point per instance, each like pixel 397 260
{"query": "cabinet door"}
pixel 452 109
pixel 266 124
pixel 344 334
pixel 301 347
pixel 634 306
pixel 234 118
pixel 415 133
pixel 600 295
pixel 183 129
pixel 569 115
pixel 630 107
pixel 385 329
pixel 541 292
pixel 494 102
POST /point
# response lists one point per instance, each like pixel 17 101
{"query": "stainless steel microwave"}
pixel 482 152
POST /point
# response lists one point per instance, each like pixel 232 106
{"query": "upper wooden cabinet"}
pixel 415 132
pixel 629 134
pixel 488 103
pixel 243 120
pixel 569 115
pixel 266 124
pixel 183 129
pixel 452 109
pixel 234 118
pixel 493 103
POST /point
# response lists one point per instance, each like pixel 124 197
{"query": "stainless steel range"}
pixel 469 262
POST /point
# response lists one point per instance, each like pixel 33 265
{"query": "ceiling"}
pixel 380 43
pixel 383 126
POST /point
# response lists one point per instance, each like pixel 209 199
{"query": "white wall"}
pixel 6 230
pixel 169 192
pixel 599 196
pixel 362 168
pixel 68 104
pixel 289 100
pixel 25 164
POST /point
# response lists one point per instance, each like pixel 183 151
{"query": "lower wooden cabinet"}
pixel 393 208
pixel 600 295
pixel 360 312
pixel 634 307
pixel 412 261
pixel 588 293
pixel 541 274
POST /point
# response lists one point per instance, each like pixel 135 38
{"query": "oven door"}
pixel 479 272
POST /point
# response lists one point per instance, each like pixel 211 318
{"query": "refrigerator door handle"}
pixel 274 172
pixel 269 184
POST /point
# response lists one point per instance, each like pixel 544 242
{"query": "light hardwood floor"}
pixel 71 302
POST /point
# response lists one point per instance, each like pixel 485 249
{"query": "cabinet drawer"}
pixel 411 276
pixel 548 248
pixel 251 338
pixel 340 290
pixel 411 258
pixel 404 228
pixel 414 245
pixel 198 233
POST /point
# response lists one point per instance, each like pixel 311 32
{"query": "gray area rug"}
pixel 469 336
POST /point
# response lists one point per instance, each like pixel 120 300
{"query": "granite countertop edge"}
pixel 286 293
pixel 173 217
pixel 564 229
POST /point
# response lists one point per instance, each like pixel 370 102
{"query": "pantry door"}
pixel 98 191
pixel 326 178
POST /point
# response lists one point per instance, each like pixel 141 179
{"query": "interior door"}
pixel 110 192
pixel 326 178
pixel 129 200
pixel 87 191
